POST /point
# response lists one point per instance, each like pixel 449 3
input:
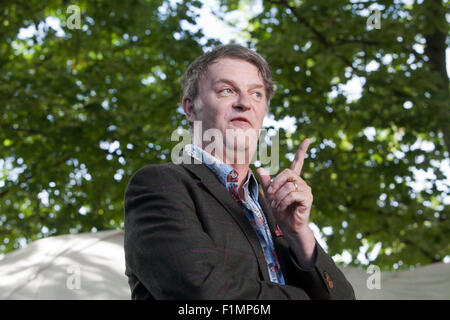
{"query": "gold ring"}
pixel 293 181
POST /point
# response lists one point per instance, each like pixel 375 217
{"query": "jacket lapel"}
pixel 218 190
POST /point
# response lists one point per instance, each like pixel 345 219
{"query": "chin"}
pixel 240 148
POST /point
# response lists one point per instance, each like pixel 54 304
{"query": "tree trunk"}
pixel 435 50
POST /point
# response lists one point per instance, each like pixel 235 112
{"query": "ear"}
pixel 188 107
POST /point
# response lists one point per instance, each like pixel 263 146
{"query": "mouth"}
pixel 240 121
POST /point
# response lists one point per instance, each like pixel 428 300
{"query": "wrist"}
pixel 302 231
pixel 303 244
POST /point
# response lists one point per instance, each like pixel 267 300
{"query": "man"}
pixel 203 230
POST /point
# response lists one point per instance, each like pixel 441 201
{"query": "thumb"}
pixel 264 178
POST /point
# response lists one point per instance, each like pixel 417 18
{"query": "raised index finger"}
pixel 297 164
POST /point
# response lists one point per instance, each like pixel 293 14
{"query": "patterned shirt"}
pixel 230 178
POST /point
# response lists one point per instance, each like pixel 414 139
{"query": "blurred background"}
pixel 90 93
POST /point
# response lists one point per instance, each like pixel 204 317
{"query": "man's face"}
pixel 232 99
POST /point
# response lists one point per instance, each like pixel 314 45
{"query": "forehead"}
pixel 238 70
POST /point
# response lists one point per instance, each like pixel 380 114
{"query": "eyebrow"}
pixel 232 83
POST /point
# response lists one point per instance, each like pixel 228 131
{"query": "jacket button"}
pixel 328 279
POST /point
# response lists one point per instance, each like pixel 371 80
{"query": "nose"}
pixel 243 102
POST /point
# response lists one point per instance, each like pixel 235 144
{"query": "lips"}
pixel 241 119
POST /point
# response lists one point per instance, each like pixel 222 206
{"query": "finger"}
pixel 281 179
pixel 284 190
pixel 297 164
pixel 302 199
pixel 264 178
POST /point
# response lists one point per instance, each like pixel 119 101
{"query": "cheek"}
pixel 260 113
pixel 213 117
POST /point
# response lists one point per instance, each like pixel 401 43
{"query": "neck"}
pixel 239 160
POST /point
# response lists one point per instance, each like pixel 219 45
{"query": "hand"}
pixel 289 196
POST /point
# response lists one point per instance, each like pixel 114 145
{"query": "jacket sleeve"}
pixel 322 282
pixel 168 251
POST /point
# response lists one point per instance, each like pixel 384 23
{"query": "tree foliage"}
pixel 83 109
pixel 364 150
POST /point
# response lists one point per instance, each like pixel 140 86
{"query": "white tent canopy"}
pixel 82 266
pixel 92 266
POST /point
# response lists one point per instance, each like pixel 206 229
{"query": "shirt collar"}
pixel 220 169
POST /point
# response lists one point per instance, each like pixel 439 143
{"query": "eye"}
pixel 226 91
pixel 257 94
